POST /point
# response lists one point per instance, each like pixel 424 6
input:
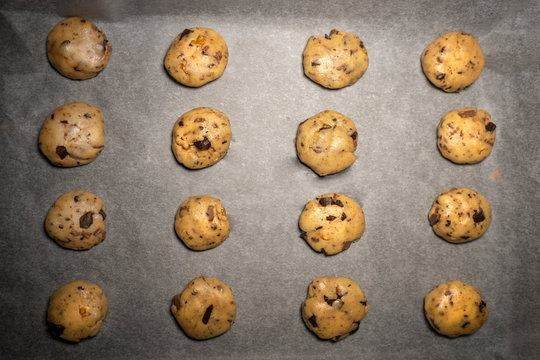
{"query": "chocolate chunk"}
pixel 177 302
pixel 210 213
pixel 354 135
pixel 465 237
pixel 203 144
pixel 479 216
pixel 102 213
pixel 80 288
pixel 218 56
pixel 180 123
pixel 65 42
pixel 466 114
pixel 199 119
pixel 325 201
pixel 87 115
pixel 207 314
pixel 364 303
pixel 343 216
pixel 313 321
pixel 490 127
pixel 76 199
pixel 329 301
pixel 337 202
pixel 318 228
pixel 61 151
pixel 433 219
pixel 441 76
pixel 333 31
pixel 465 325
pixel 448 223
pixel 303 235
pixel 184 33
pixel 346 245
pixel 330 218
pixel 315 63
pixel 55 329
pixel 482 306
pixel 325 126
pixel 63 122
pixel 83 20
pixel 86 220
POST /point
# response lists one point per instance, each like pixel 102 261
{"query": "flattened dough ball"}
pixel 466 136
pixel 334 307
pixel 201 137
pixel 326 142
pixel 205 309
pixel 77 220
pixel 460 215
pixel 201 223
pixel 196 57
pixel 72 135
pixel 78 49
pixel 76 310
pixel 454 309
pixel 453 61
pixel 336 60
pixel 331 222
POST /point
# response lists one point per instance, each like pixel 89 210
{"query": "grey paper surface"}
pixel 399 172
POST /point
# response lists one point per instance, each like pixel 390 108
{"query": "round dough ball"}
pixel 453 61
pixel 78 49
pixel 201 223
pixel 77 220
pixel 76 310
pixel 201 137
pixel 454 309
pixel 336 60
pixel 72 135
pixel 196 57
pixel 460 215
pixel 334 307
pixel 331 223
pixel 205 309
pixel 466 136
pixel 326 142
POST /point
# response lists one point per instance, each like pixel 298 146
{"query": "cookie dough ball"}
pixel 460 215
pixel 326 142
pixel 78 49
pixel 454 309
pixel 336 60
pixel 334 307
pixel 77 220
pixel 201 137
pixel 196 57
pixel 201 223
pixel 331 222
pixel 453 61
pixel 77 310
pixel 72 135
pixel 466 136
pixel 205 309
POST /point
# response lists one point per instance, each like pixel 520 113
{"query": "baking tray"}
pixel 399 172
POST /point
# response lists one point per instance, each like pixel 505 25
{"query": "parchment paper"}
pixel 399 172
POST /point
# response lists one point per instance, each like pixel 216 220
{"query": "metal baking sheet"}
pixel 399 172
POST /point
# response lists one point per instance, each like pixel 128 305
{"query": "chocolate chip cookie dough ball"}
pixel 201 137
pixel 78 49
pixel 460 215
pixel 196 57
pixel 201 223
pixel 336 60
pixel 72 135
pixel 334 307
pixel 453 61
pixel 326 142
pixel 77 220
pixel 205 309
pixel 77 310
pixel 454 309
pixel 466 136
pixel 331 222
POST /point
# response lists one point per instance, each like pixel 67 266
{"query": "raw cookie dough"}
pixel 77 220
pixel 453 61
pixel 201 137
pixel 205 309
pixel 466 136
pixel 336 60
pixel 460 215
pixel 331 223
pixel 454 309
pixel 334 307
pixel 196 57
pixel 201 222
pixel 76 310
pixel 72 135
pixel 326 142
pixel 78 49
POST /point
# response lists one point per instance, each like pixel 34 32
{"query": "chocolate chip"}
pixel 303 235
pixel 433 219
pixel 83 20
pixel 490 127
pixel 61 151
pixel 343 216
pixel 325 201
pixel 65 42
pixel 87 115
pixel 330 218
pixel 180 123
pixel 479 216
pixel 199 119
pixel 63 122
pixel 315 63
pixel 218 56
pixel 184 33
pixel 337 202
pixel 313 321
pixel 482 306
pixel 448 223
pixel 440 76
pixel 333 31
pixel 86 220
pixel 80 288
pixel 207 314
pixel 364 303
pixel 465 237
pixel 329 301
pixel 354 135
pixel 466 114
pixel 210 213
pixel 55 329
pixel 346 245
pixel 102 213
pixel 203 144
pixel 76 199
pixel 52 116
pixel 177 301
pixel 465 325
